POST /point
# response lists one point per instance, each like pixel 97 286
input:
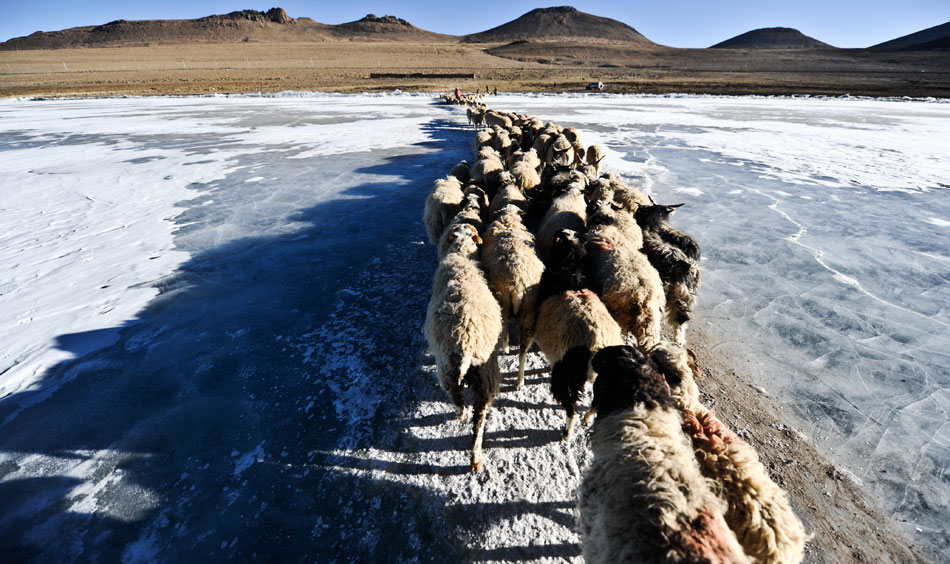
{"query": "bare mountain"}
pixel 772 38
pixel 273 25
pixel 389 27
pixel 937 37
pixel 562 23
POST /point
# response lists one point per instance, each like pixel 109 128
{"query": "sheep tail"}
pixel 464 365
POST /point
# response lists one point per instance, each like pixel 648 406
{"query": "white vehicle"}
pixel 595 86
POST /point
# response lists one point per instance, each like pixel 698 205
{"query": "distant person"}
pixel 486 89
pixel 495 92
pixel 458 94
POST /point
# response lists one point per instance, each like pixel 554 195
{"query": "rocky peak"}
pixel 372 18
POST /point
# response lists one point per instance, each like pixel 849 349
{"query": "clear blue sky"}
pixel 677 23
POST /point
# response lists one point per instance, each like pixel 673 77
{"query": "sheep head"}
pixel 626 378
pixel 462 233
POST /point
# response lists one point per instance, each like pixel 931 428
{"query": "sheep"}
pixel 758 511
pixel 567 211
pixel 476 116
pixel 615 214
pixel 572 324
pixel 559 153
pixel 595 156
pixel 680 274
pixel 462 171
pixel 524 168
pixel 486 170
pixel 493 118
pixel 463 323
pixel 482 139
pixel 643 498
pixel 502 143
pixel 514 275
pixel 508 193
pixel 443 202
pixel 541 142
pixel 474 205
pixel 656 218
pixel 629 286
pixel 627 196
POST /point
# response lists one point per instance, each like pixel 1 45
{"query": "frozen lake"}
pixel 211 313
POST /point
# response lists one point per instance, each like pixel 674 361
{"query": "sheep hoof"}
pixel 476 466
pixel 567 435
pixel 462 414
pixel 507 349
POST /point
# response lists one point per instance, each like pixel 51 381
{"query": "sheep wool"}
pixel 514 274
pixel 463 325
pixel 443 202
pixel 643 498
pixel 630 287
pixel 758 511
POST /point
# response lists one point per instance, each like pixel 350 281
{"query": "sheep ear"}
pixel 674 206
pixel 478 240
pixel 616 206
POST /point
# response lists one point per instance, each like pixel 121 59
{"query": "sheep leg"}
pixel 527 339
pixel 458 398
pixel 568 377
pixel 505 334
pixel 482 402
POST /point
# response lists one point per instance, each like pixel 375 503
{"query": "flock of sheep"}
pixel 533 233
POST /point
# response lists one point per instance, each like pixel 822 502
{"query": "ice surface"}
pixel 260 389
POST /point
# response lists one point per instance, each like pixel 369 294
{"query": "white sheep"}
pixel 486 170
pixel 567 211
pixel 525 168
pixel 595 157
pixel 463 324
pixel 629 285
pixel 559 153
pixel 514 274
pixel 508 194
pixel 443 202
pixel 472 212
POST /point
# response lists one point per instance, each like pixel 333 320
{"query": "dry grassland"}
pixel 345 66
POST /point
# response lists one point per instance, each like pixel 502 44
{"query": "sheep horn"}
pixel 652 201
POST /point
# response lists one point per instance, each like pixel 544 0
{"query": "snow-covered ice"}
pixel 211 312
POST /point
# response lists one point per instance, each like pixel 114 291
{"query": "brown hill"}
pixel 772 38
pixel 273 25
pixel 937 37
pixel 389 27
pixel 562 23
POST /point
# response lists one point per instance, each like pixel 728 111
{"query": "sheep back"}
pixel 571 319
pixel 644 499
